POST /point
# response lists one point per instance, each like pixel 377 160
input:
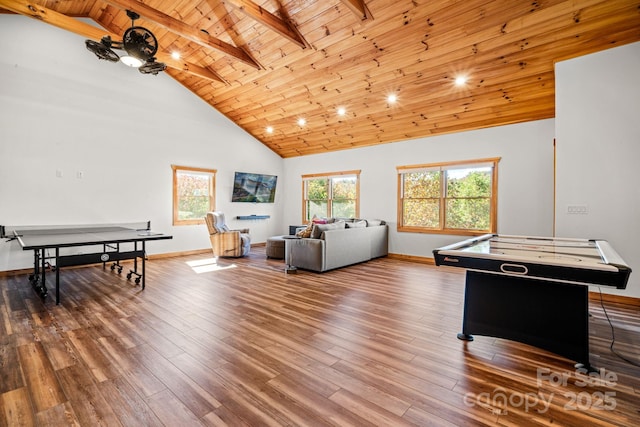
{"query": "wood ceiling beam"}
pixel 269 20
pixel 180 28
pixel 51 17
pixel 190 68
pixel 359 8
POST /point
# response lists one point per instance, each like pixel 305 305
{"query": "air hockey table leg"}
pixel 465 337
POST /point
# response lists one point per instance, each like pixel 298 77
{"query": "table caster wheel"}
pixel 41 290
pixel 119 269
pixel 137 280
pixel 113 267
pixel 128 276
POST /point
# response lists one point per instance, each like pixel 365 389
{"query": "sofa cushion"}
pixel 374 222
pixel 357 224
pixel 306 233
pixel 318 229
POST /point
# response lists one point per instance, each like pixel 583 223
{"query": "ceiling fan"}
pixel 139 44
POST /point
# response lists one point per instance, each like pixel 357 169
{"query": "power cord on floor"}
pixel 613 333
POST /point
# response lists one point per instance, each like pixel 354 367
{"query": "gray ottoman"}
pixel 275 247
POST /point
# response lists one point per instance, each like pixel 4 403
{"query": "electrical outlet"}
pixel 577 209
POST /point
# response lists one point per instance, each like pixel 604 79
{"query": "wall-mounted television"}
pixel 254 188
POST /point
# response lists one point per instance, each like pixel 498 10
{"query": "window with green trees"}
pixel 453 197
pixel 334 194
pixel 193 194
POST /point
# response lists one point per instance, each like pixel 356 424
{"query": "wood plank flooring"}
pixel 244 344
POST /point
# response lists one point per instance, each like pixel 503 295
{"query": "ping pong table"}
pixel 105 243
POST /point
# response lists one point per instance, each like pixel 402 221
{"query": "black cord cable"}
pixel 613 334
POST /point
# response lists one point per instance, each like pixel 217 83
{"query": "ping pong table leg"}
pixel 57 277
pixel 144 255
pixel 42 288
pixel 116 265
pixel 35 276
pixel 134 272
pixel 135 259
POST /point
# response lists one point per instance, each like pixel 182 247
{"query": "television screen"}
pixel 254 187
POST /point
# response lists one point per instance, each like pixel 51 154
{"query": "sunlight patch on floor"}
pixel 208 265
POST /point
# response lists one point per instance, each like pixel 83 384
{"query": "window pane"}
pixel 317 189
pixel 344 208
pixel 317 208
pixel 421 184
pixel 470 214
pixel 193 195
pixel 343 188
pixel 332 195
pixel 448 197
pixel 421 213
pixel 470 182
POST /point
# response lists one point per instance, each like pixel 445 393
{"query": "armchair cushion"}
pixel 226 242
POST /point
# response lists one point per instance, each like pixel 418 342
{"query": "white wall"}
pixel 62 109
pixel 525 181
pixel 598 151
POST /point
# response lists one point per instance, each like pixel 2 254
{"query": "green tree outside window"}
pixel 453 197
pixel 331 195
pixel 193 194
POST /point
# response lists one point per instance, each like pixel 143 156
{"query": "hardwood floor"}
pixel 245 344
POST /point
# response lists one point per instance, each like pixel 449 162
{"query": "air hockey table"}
pixel 533 290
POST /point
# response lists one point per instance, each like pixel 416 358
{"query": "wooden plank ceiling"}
pixel 268 63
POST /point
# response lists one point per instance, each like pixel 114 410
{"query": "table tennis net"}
pixel 12 231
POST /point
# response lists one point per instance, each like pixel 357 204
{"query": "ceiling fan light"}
pixel 131 61
pixel 139 44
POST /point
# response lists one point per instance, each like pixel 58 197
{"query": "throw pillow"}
pixel 318 229
pixel 306 232
pixel 221 228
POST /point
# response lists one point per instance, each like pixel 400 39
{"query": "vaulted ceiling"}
pixel 265 64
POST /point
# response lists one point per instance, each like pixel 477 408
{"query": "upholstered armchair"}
pixel 226 242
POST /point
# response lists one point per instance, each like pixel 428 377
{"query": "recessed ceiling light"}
pixel 175 55
pixel 460 80
pixel 301 122
pixel 392 98
pixel 269 129
pixel 341 111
